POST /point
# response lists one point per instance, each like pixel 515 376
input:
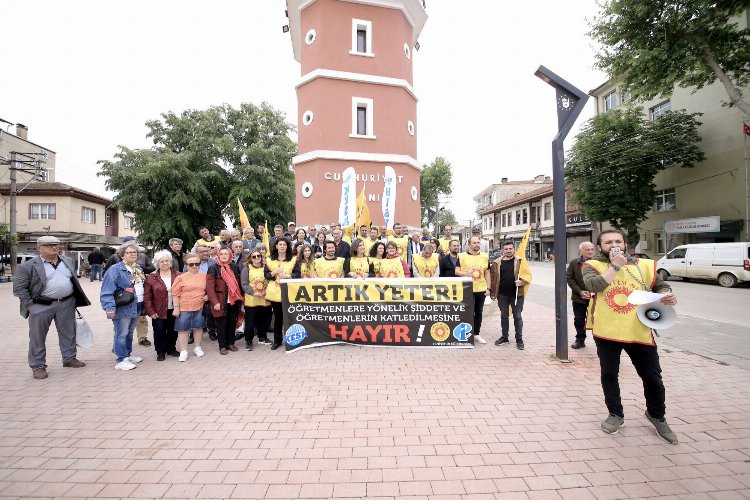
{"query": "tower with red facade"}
pixel 356 105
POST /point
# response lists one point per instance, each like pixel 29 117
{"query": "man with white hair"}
pixel 580 296
pixel 249 241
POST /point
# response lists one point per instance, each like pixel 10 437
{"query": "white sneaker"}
pixel 199 352
pixel 124 365
pixel 480 339
pixel 135 359
pixel 183 355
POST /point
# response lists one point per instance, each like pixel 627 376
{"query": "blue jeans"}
pixel 96 272
pixel 124 328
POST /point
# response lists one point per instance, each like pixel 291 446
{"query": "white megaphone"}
pixel 657 315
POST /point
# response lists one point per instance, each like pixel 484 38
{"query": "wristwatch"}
pixel 616 268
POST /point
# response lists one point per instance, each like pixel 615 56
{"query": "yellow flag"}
pixel 524 270
pixel 244 223
pixel 265 238
pixel 363 211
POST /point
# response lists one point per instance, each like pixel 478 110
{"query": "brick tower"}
pixel 355 103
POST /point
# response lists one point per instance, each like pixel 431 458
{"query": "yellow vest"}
pixel 329 268
pixel 307 270
pixel 376 266
pixel 401 244
pixel 476 265
pixel 368 244
pixel 446 244
pixel 391 268
pixel 427 268
pixel 273 292
pixel 610 315
pixel 359 265
pixel 203 243
pixel 258 282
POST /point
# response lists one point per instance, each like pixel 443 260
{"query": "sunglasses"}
pixel 255 256
pixel 193 264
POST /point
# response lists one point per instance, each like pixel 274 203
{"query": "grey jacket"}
pixel 30 281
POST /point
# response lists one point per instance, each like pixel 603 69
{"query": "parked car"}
pixel 640 255
pixel 20 258
pixel 727 263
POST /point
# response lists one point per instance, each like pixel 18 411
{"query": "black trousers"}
pixel 278 327
pixel 579 320
pixel 645 359
pixel 165 336
pixel 226 324
pixel 211 324
pixel 478 310
pixel 257 320
pixel 505 303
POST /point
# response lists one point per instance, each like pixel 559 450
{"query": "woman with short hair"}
pixel 225 296
pixel 319 244
pixel 393 266
pixel 124 277
pixel 300 237
pixel 257 308
pixel 188 296
pixel 157 301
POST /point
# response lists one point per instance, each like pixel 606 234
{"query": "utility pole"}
pixel 13 214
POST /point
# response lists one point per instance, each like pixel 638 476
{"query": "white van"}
pixel 728 263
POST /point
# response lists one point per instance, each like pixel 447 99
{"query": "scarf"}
pixel 228 276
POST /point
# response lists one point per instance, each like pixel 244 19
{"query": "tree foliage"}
pixel 612 165
pixel 201 162
pixel 444 218
pixel 651 46
pixel 436 180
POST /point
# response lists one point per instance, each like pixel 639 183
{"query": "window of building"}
pixel 518 217
pixel 548 211
pixel 362 118
pixel 660 242
pixel 524 216
pixel 611 101
pixel 534 215
pixel 361 38
pixel 129 222
pixel 660 109
pixel 88 215
pixel 42 211
pixel 503 221
pixel 666 200
pixel 107 219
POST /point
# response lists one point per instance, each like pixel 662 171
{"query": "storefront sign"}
pixel 437 312
pixel 710 224
pixel 575 220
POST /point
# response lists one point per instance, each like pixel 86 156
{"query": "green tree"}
pixel 436 180
pixel 612 165
pixel 651 46
pixel 444 218
pixel 201 162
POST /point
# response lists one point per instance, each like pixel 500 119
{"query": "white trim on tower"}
pixel 326 154
pixel 356 77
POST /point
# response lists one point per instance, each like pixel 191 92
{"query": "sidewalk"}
pixel 352 422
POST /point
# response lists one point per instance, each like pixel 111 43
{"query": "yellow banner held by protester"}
pixel 244 222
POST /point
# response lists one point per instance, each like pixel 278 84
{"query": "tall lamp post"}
pixel 569 102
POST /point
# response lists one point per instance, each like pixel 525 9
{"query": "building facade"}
pixel 356 104
pixel 706 203
pixel 495 194
pixel 39 161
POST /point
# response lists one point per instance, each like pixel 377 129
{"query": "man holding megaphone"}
pixel 615 326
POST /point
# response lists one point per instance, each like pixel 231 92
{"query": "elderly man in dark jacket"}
pixel 580 296
pixel 49 290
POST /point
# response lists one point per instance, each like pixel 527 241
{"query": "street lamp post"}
pixel 569 102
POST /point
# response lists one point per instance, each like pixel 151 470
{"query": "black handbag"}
pixel 123 297
pixel 206 310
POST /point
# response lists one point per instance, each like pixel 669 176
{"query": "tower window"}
pixel 362 118
pixel 361 38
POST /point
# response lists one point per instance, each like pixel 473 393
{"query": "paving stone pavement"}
pixel 350 422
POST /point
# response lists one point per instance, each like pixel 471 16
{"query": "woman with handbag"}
pixel 121 297
pixel 157 301
pixel 189 297
pixel 225 297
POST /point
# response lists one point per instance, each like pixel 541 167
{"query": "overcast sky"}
pixel 85 76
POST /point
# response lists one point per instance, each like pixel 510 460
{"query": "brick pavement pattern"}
pixel 350 422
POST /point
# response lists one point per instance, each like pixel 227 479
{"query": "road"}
pixel 712 321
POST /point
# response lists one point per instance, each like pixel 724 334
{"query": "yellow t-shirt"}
pixel 392 268
pixel 427 268
pixel 401 244
pixel 333 268
pixel 307 270
pixel 445 244
pixel 376 266
pixel 273 292
pixel 257 279
pixel 476 265
pixel 360 266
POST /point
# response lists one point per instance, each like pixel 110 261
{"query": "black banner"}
pixel 424 312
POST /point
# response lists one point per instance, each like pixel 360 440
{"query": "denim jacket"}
pixel 117 278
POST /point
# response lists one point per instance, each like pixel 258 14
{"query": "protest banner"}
pixel 425 312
